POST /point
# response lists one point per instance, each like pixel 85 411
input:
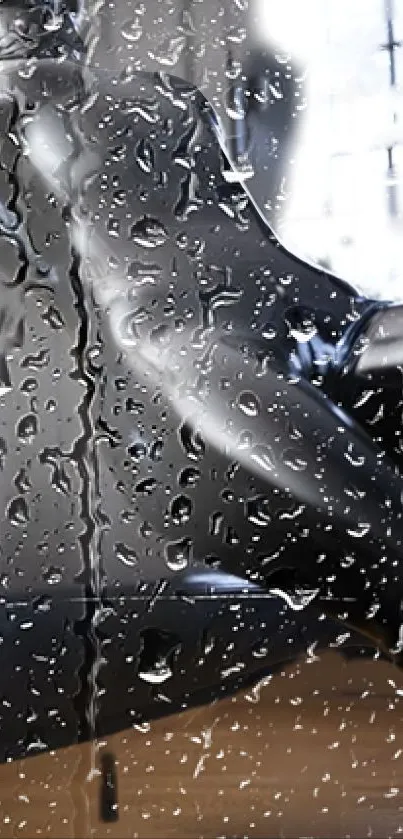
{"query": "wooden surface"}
pixel 316 752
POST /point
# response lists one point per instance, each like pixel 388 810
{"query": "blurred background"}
pixel 344 202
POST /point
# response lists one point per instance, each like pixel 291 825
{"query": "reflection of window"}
pixel 357 186
pixel 346 198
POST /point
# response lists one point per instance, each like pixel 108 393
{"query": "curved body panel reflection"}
pixel 194 482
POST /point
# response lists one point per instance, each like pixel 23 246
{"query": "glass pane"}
pixel 201 431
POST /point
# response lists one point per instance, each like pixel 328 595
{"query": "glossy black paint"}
pixel 234 493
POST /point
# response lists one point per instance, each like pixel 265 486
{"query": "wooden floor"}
pixel 317 752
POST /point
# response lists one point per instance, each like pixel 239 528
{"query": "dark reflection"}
pixel 197 422
pixel 157 651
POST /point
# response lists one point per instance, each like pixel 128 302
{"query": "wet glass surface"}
pixel 200 439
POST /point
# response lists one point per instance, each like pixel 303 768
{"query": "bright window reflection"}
pixel 345 204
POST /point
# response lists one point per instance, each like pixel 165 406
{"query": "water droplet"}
pixel 134 407
pixel 352 457
pixel 146 529
pixel 258 512
pixel 145 156
pixel 161 334
pixel 137 451
pixel 354 492
pixel 42 604
pixel 245 441
pixel 216 520
pixel 231 536
pixel 22 482
pixel 113 227
pixel 361 530
pixel 53 21
pixel 127 330
pixel 126 555
pixel 3 452
pixel 37 361
pixel 294 460
pixel 191 441
pixel 27 428
pixel 147 486
pixel 25 625
pixel 189 201
pixel 347 561
pixel 301 325
pixel 158 650
pixel 248 403
pixel 60 480
pixel 236 103
pixel 32 746
pixel 169 51
pixel 364 398
pixel 118 153
pixel 160 673
pixel 29 385
pixel 53 318
pixel 149 233
pixel 53 576
pixel 132 30
pixel 298 599
pixel 156 451
pixel 189 477
pixel 264 457
pixel 143 273
pixel 181 509
pixel 17 511
pixel 5 385
pixel 178 554
pixel 293 432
